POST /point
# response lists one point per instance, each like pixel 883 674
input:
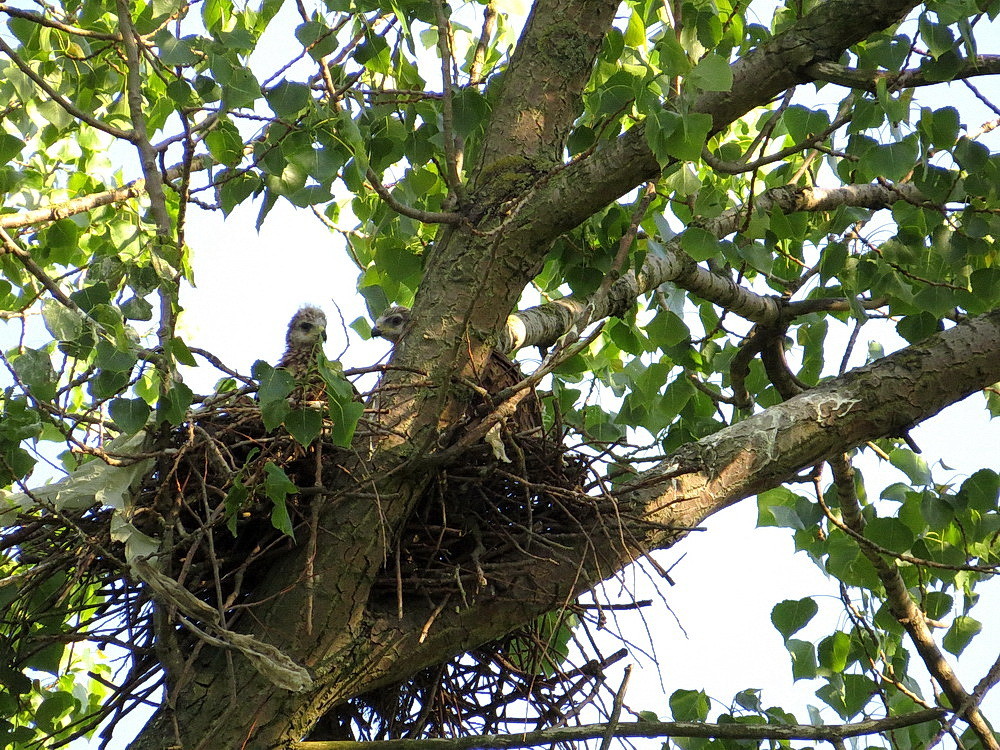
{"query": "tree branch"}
pixel 552 63
pixel 427 217
pixel 545 323
pixel 867 80
pixel 41 20
pixel 154 188
pixel 79 114
pixel 592 182
pixel 728 731
pixel 95 200
pixel 905 610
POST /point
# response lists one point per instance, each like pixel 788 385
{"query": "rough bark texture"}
pixel 357 643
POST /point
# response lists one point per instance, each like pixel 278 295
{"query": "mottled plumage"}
pixel 303 343
pixel 392 323
pixel 499 373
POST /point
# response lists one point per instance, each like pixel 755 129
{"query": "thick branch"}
pixel 540 91
pixel 544 324
pixel 823 34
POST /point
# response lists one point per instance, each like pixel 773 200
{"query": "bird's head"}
pixel 391 324
pixel 306 328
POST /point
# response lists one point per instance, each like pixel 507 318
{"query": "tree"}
pixel 646 177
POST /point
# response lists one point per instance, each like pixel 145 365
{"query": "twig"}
pixel 428 217
pixel 616 710
pixel 79 114
pixel 453 154
pixel 95 200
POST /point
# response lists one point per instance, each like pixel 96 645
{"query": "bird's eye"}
pixel 306 326
pixel 396 320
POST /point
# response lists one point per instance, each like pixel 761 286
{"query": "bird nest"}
pixel 226 497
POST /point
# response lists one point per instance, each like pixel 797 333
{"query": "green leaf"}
pixel 235 498
pixel 963 629
pixel 912 465
pixel 833 651
pixel 277 486
pixel 345 417
pixel 981 491
pixel 275 384
pixel 180 352
pixel 802 122
pixel 176 52
pixel 937 604
pixel 304 425
pixel 317 37
pixel 34 368
pixel 64 324
pixel 938 37
pixel 55 706
pixel 890 533
pixel 10 147
pixel 130 414
pixel 137 308
pixel 174 405
pixel 689 705
pixel 791 616
pixel 750 700
pixel 635 32
pixel 712 73
pixel 671 135
pixel 287 99
pixel 700 244
pixel 225 144
pixel 241 90
pixel 803 655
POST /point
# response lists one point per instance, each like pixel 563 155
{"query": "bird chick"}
pixel 392 323
pixel 303 342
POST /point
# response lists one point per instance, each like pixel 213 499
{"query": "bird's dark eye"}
pixel 306 326
pixel 396 320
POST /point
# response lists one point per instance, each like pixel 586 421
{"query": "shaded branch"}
pixel 868 80
pixel 42 20
pixel 611 171
pixel 427 217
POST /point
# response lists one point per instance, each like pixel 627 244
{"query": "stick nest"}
pixel 211 499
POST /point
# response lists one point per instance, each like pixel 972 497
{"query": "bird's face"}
pixel 391 324
pixel 307 327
